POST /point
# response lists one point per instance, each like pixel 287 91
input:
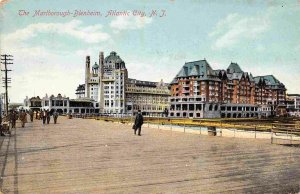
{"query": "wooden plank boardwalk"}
pixel 89 156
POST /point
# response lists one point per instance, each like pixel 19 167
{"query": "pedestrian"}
pixel 39 114
pixel 44 116
pixel 13 119
pixel 31 115
pixel 55 115
pixel 139 120
pixel 48 116
pixel 23 117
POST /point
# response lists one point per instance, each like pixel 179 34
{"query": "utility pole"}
pixel 5 59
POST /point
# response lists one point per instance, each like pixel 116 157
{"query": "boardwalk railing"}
pixel 277 133
pixel 285 135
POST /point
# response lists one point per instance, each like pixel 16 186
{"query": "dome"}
pixel 113 53
pixel 95 66
pixel 119 60
pixel 112 58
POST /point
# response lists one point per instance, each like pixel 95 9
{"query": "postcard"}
pixel 137 96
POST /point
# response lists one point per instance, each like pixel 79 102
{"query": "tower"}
pixel 87 76
pixel 100 76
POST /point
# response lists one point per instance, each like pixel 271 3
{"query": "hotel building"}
pixel 198 91
pixel 108 84
pixel 293 104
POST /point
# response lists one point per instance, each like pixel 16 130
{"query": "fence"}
pixel 285 135
pixel 277 133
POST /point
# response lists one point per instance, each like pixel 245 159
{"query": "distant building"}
pixel 80 91
pixel 149 97
pixel 270 94
pixel 293 104
pixel 61 104
pixel 82 106
pixel 198 91
pixel 33 103
pixel 108 84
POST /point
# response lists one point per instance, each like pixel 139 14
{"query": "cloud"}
pixel 236 28
pixel 287 75
pixel 47 78
pixel 164 67
pixel 129 23
pixel 297 48
pixel 82 53
pixel 38 71
pixel 43 68
pixel 74 28
pixel 260 48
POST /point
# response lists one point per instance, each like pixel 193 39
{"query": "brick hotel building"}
pixel 198 91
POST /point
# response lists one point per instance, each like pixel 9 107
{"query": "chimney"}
pixel 101 58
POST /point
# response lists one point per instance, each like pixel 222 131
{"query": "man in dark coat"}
pixel 55 115
pixel 13 118
pixel 23 117
pixel 48 116
pixel 139 120
pixel 31 115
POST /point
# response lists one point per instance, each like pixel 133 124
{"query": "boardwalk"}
pixel 89 156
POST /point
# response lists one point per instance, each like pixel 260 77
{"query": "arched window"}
pixel 216 107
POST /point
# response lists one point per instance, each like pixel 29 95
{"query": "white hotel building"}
pixel 109 85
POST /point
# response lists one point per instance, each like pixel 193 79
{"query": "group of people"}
pixel 14 115
pixel 12 118
pixel 45 116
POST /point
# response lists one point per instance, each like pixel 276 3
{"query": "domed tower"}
pixel 95 68
pixel 113 79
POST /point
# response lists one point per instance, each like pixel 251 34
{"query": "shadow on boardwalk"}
pixel 89 156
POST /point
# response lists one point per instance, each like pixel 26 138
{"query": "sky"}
pixel 263 37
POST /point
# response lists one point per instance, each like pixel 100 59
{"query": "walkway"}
pixel 89 156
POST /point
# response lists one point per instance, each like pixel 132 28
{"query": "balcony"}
pixel 105 79
pixel 185 91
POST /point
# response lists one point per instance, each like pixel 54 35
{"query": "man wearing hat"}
pixel 139 120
